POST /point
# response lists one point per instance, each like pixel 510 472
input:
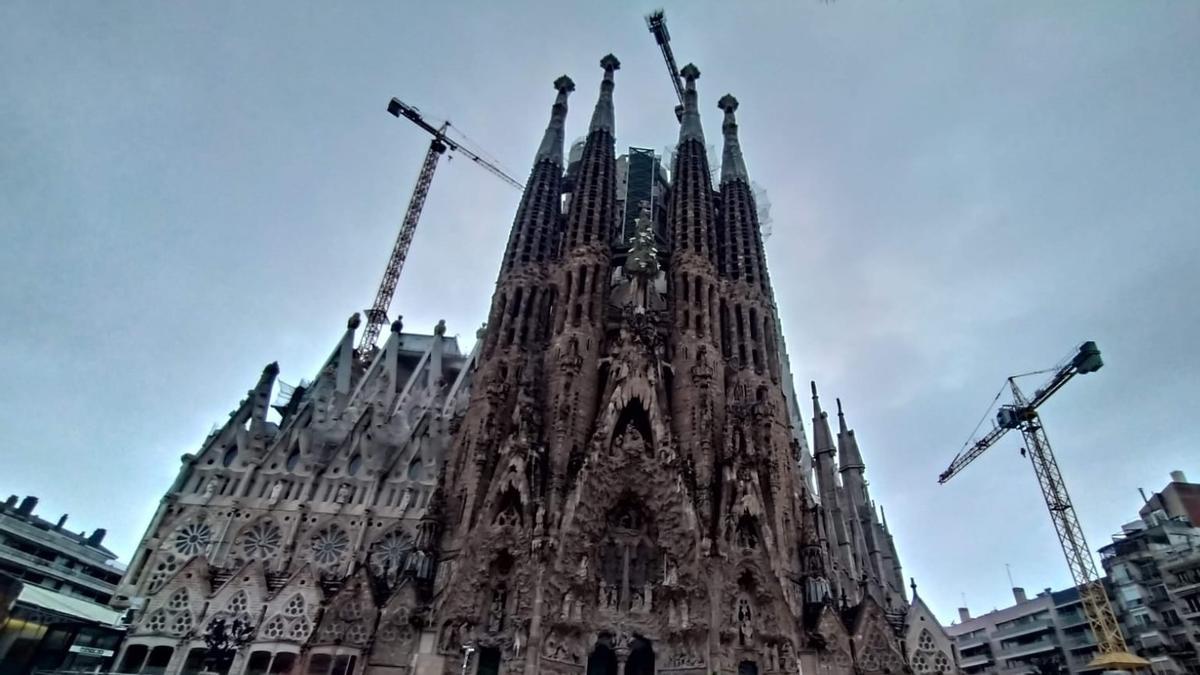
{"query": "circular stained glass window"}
pixel 262 540
pixel 193 538
pixel 329 545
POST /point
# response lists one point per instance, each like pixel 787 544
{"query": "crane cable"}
pixel 975 431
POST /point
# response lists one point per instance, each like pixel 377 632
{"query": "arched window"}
pixel 354 465
pixel 602 660
pixel 230 455
pixel 416 469
pixel 293 459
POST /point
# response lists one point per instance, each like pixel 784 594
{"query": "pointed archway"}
pixel 602 660
pixel 641 658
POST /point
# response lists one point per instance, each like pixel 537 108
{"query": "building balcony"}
pixel 972 642
pixel 1018 650
pixel 1069 619
pixel 976 660
pixel 1023 628
pixel 46 568
pixel 1086 641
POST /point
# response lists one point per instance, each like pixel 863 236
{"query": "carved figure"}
pixel 276 491
pixel 343 494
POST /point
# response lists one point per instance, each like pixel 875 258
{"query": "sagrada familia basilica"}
pixel 615 480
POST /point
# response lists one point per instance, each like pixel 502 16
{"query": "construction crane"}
pixel 1022 414
pixel 441 143
pixel 657 23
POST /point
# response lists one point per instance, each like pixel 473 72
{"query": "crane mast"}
pixel 1022 414
pixel 441 143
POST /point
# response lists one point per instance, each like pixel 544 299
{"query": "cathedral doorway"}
pixel 748 668
pixel 641 658
pixel 602 661
pixel 489 661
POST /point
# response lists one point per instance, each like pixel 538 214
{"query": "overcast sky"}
pixel 961 191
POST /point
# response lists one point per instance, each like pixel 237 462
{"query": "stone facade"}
pixel 615 480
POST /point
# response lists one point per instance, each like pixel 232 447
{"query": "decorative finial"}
pixel 689 121
pixel 610 63
pixel 397 326
pixel 912 583
pixel 272 368
pixel 733 167
pixel 564 84
pixel 839 405
pixel 353 321
pixel 481 331
pixel 440 328
pixel 813 384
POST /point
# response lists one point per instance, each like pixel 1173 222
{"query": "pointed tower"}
pixel 839 544
pixel 698 399
pixel 581 280
pixel 858 505
pixel 518 326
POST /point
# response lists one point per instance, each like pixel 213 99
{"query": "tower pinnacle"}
pixel 551 148
pixel 603 118
pixel 733 167
pixel 690 123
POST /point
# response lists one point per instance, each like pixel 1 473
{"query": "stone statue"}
pixel 210 489
pixel 670 572
pixel 581 572
pixel 343 494
pixel 406 500
pixel 276 491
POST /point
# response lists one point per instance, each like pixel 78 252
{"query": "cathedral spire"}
pixel 551 148
pixel 849 457
pixel 822 436
pixel 603 118
pixel 733 167
pixel 689 128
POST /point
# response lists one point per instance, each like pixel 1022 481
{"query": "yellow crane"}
pixel 1022 414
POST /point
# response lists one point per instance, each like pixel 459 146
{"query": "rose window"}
pixel 357 634
pixel 238 604
pixel 167 565
pixel 299 630
pixel 274 628
pixel 332 630
pixel 295 606
pixel 193 538
pixel 156 622
pixel 181 624
pixel 178 600
pixel 329 545
pixel 261 541
pixel 351 611
pixel 389 554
